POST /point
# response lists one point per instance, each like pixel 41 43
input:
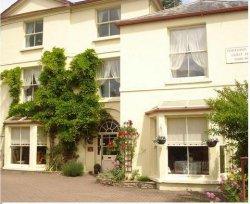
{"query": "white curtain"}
pixel 102 16
pixel 15 136
pixel 25 136
pixel 31 75
pixel 41 137
pixel 36 74
pixel 110 69
pixel 182 41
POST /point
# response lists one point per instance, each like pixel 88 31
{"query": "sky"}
pixel 6 3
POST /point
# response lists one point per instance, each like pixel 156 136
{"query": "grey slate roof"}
pixel 193 7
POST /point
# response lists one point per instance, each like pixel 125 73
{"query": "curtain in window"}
pixel 188 40
pixel 103 16
pixel 197 130
pixel 36 74
pixel 15 136
pixel 176 131
pixel 41 138
pixel 110 69
pixel 25 136
pixel 27 76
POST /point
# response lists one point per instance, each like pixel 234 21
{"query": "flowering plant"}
pixel 212 197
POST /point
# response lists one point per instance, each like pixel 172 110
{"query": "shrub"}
pixel 143 178
pixel 115 175
pixel 72 169
pixel 134 175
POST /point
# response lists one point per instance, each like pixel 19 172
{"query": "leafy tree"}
pixel 230 116
pixel 66 101
pixel 170 3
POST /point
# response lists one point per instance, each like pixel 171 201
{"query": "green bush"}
pixel 116 175
pixel 135 174
pixel 143 178
pixel 72 169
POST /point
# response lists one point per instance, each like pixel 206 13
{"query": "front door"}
pixel 108 156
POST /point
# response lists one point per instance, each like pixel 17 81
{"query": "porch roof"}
pixel 183 105
pixel 17 120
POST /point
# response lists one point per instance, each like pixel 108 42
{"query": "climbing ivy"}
pixel 12 78
pixel 66 101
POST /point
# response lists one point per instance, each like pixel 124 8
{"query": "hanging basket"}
pixel 212 143
pixel 161 140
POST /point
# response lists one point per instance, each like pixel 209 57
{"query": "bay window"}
pixel 187 153
pixel 20 145
pixel 34 33
pixel 30 81
pixel 106 22
pixel 41 146
pixel 109 78
pixel 188 52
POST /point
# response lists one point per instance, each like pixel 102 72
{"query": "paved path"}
pixel 31 186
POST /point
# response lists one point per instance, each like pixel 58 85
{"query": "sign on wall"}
pixel 236 55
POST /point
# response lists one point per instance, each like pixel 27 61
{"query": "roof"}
pixel 197 8
pixel 15 120
pixel 175 106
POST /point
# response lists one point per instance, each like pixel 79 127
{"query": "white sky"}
pixel 6 3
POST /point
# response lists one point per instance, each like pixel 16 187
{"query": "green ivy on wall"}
pixel 12 78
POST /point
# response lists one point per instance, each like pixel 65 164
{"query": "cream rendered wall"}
pixel 146 79
pixel 35 5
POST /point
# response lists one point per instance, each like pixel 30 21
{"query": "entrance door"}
pixel 108 156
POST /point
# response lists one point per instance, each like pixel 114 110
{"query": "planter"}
pixel 161 140
pixel 212 143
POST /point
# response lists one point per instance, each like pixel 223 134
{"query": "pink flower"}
pixel 210 195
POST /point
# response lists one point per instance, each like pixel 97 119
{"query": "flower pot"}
pixel 161 140
pixel 212 143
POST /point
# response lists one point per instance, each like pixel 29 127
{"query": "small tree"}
pixel 170 3
pixel 229 113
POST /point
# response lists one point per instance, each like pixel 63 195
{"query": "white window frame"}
pixel 188 52
pixel 34 33
pixel 31 85
pixel 109 79
pixel 107 22
pixel 19 145
pixel 186 145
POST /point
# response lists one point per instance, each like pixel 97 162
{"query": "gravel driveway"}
pixel 19 186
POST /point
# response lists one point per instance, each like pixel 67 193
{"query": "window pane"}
pixel 103 16
pixel 105 89
pixel 28 93
pixel 114 30
pixel 15 155
pixel 15 136
pixel 182 71
pixel 194 68
pixel 41 137
pixel 197 128
pixel 103 30
pixel 30 28
pixel 176 128
pixel 38 39
pixel 177 160
pixel 198 160
pixel 25 155
pixel 41 155
pixel 114 14
pixel 114 88
pixel 30 39
pixel 39 26
pixel 25 136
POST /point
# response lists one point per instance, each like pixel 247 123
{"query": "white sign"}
pixel 236 55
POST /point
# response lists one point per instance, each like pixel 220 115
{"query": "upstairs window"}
pixel 34 33
pixel 30 81
pixel 106 22
pixel 188 52
pixel 109 78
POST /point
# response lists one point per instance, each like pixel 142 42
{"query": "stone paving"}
pixel 19 186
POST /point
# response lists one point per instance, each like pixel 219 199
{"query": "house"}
pixel 159 67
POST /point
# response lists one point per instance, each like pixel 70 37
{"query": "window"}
pixel 222 159
pixel 20 145
pixel 186 152
pixel 106 22
pixel 34 33
pixel 41 146
pixel 188 52
pixel 109 78
pixel 30 79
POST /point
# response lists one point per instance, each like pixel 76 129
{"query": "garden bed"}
pixel 128 184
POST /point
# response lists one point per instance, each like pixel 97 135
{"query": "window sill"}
pixel 113 37
pixel 191 179
pixel 190 80
pixel 111 99
pixel 32 48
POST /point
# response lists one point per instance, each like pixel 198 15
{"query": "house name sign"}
pixel 236 55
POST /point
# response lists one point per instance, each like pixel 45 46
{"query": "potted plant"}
pixel 160 140
pixel 212 142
